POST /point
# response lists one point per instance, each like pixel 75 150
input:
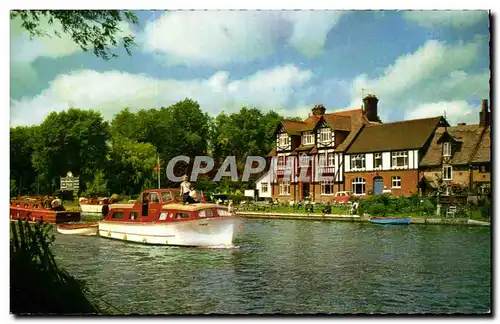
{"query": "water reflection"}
pixel 284 266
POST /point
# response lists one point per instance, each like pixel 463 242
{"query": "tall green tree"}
pixel 94 30
pixel 22 171
pixel 73 140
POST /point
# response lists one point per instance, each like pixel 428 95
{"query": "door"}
pixel 305 190
pixel 378 185
pixel 154 204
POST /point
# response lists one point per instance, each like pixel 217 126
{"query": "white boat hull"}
pixel 94 209
pixel 85 231
pixel 217 231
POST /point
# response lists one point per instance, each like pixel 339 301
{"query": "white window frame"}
pixel 358 181
pixel 307 138
pixel 283 139
pixel 447 191
pixel 304 160
pixel 396 182
pixel 281 161
pixel 445 167
pixel 446 149
pixel 330 159
pixel 324 185
pixel 358 157
pixel 322 159
pixel 284 188
pixel 377 156
pixel 325 135
pixel 264 187
pixel 399 154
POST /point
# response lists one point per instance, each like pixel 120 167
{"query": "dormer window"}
pixel 325 135
pixel 307 138
pixel 283 139
pixel 446 149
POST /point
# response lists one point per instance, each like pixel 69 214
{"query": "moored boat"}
pixel 390 220
pixel 198 224
pixel 78 229
pixel 41 209
pixel 93 205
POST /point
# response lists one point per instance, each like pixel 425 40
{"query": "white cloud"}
pixel 456 111
pixel 24 49
pixel 435 73
pixel 220 37
pixel 111 91
pixel 448 18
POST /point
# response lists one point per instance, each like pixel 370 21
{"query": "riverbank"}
pixel 356 218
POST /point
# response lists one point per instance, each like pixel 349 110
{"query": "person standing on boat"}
pixel 186 188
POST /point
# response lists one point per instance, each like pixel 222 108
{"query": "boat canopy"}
pixel 192 207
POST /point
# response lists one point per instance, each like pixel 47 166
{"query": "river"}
pixel 291 267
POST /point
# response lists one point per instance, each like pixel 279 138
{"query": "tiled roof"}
pixel 483 153
pixel 273 152
pixel 304 148
pixel 338 122
pixel 408 134
pixel 293 127
pixel 467 138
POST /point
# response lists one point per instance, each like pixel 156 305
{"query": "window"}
pixel 446 149
pixel 117 215
pixel 133 215
pixel 283 139
pixel 308 138
pixel 396 182
pixel 281 162
pixel 166 196
pixel 182 216
pixel 205 213
pixel 358 161
pixel 325 135
pixel 331 159
pixel 327 188
pixel 322 159
pixel 289 162
pixel 163 216
pixel 304 160
pixel 447 191
pixel 400 159
pixel 377 163
pixel 447 172
pixel 153 197
pixel 263 187
pixel 284 189
pixel 358 186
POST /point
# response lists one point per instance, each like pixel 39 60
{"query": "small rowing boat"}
pixel 390 220
pixel 78 229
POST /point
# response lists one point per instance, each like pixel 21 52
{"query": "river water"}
pixel 290 267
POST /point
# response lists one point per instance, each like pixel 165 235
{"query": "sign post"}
pixel 70 183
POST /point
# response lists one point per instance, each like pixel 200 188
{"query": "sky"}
pixel 418 63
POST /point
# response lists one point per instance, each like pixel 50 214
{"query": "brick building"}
pixel 459 156
pixel 385 157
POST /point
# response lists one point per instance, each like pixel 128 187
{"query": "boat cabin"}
pixel 172 212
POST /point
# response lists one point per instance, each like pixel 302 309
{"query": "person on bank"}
pixel 186 189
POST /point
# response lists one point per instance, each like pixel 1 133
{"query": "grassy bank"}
pixel 37 284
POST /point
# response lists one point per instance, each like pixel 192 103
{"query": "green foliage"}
pixel 13 188
pixel 37 284
pixel 98 186
pixel 380 205
pixel 90 29
pixel 377 209
pixel 22 140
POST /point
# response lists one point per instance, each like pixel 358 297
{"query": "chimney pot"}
pixel 484 114
pixel 318 110
pixel 370 103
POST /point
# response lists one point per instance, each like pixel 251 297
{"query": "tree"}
pixel 21 150
pixel 90 29
pixel 98 186
pixel 73 140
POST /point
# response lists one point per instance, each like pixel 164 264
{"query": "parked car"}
pixel 342 197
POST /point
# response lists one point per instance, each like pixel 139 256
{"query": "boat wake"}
pixel 222 246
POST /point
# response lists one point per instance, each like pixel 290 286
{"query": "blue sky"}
pixel 418 64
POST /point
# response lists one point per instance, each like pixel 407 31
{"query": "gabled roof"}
pixel 483 153
pixel 402 135
pixel 466 137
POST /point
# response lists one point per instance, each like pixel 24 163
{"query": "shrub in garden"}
pixel 377 209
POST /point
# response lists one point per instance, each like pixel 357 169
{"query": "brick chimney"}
pixel 370 108
pixel 484 114
pixel 318 110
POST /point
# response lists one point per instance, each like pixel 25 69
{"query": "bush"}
pixel 377 209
